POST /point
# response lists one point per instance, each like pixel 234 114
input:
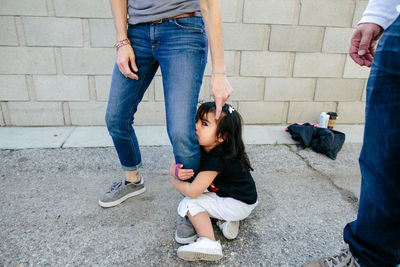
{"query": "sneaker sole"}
pixel 184 240
pixel 232 231
pixel 122 199
pixel 194 256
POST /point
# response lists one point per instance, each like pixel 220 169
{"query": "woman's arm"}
pixel 200 183
pixel 219 85
pixel 125 53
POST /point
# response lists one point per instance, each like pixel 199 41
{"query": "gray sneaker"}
pixel 343 259
pixel 185 232
pixel 120 192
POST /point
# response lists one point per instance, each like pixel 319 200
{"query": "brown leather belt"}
pixel 192 14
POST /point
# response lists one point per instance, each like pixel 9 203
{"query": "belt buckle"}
pixel 158 21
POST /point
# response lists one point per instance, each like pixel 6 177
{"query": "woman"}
pixel 170 34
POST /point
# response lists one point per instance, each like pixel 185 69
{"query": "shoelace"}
pixel 115 186
pixel 343 259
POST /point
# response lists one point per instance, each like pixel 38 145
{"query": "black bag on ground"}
pixel 321 140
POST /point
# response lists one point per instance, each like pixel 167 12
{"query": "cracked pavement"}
pixel 49 214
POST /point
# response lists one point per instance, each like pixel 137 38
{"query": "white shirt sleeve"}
pixel 381 12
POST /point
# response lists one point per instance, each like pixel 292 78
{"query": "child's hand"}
pixel 184 174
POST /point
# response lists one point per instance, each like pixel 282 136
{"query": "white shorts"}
pixel 221 208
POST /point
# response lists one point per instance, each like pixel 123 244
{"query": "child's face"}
pixel 206 132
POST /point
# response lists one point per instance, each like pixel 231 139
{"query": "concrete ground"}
pixel 49 214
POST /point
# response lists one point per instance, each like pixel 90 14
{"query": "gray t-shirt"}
pixel 142 11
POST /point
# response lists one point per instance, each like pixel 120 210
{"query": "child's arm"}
pixel 200 183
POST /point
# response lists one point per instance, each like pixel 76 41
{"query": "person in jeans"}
pixel 374 237
pixel 170 34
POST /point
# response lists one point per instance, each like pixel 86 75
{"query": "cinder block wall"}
pixel 286 59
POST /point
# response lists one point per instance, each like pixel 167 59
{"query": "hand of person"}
pixel 126 62
pixel 363 42
pixel 184 174
pixel 220 90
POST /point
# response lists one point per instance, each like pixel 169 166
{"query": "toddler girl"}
pixel 223 189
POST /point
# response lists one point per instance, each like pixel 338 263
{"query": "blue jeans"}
pixel 179 47
pixel 374 238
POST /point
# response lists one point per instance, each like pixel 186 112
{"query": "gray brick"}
pixel 308 111
pixel 13 87
pixel 327 12
pixel 296 38
pixel 318 65
pixel 364 95
pixel 360 7
pixel 159 89
pixel 266 64
pixel 102 32
pixel 339 89
pixel 102 87
pixel 2 122
pixel 150 113
pixel 81 61
pixel 231 10
pixel 23 7
pixel 83 9
pixel 53 31
pixel 353 70
pixel 27 60
pixel 270 11
pixel 260 112
pixel 230 63
pixel 289 89
pixel 61 88
pixel 351 112
pixel 8 31
pixel 205 90
pixel 238 36
pixel 35 114
pixel 337 40
pixel 246 88
pixel 87 113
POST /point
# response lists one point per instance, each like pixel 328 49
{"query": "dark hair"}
pixel 229 127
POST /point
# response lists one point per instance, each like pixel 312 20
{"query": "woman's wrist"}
pixel 122 43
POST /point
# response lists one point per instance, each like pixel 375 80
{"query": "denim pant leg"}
pixel 374 238
pixel 125 96
pixel 182 54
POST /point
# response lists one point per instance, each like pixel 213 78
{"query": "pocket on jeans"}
pixel 190 24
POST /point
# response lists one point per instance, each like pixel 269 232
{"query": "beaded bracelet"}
pixel 124 42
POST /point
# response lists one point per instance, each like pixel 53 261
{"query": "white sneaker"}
pixel 229 229
pixel 203 249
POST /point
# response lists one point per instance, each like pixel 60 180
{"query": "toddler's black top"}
pixel 232 179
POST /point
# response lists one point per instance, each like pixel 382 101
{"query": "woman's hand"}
pixel 126 62
pixel 221 90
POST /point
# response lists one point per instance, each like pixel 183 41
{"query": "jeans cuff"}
pixel 131 168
